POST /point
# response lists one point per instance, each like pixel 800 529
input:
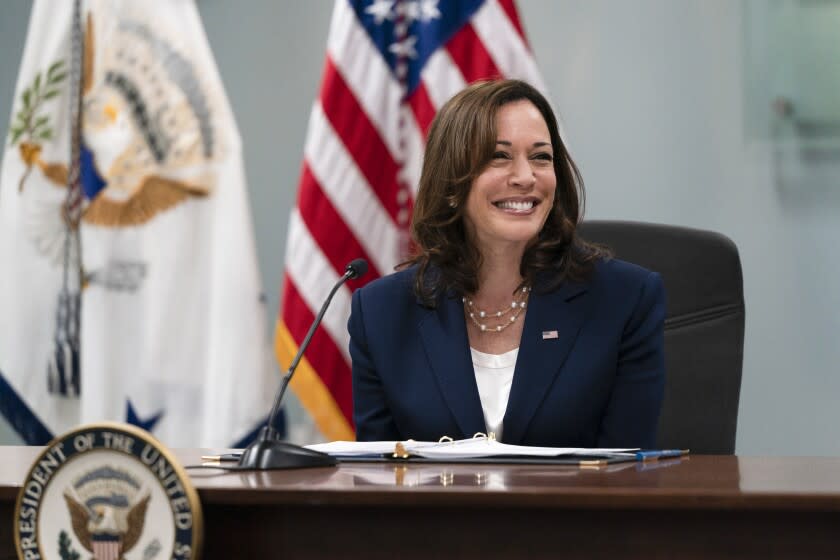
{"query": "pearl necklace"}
pixel 516 307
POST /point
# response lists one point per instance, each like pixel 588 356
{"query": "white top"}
pixel 494 375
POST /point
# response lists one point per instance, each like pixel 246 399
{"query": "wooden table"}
pixel 700 507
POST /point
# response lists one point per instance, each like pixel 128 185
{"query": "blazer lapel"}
pixel 444 335
pixel 551 326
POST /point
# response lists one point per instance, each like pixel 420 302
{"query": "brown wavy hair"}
pixel 460 145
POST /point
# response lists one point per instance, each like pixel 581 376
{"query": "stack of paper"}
pixel 461 449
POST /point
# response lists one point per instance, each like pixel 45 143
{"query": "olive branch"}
pixel 65 547
pixel 27 120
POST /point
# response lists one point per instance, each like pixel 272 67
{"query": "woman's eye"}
pixel 501 155
pixel 543 156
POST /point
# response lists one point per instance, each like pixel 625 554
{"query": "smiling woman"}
pixel 509 201
pixel 504 320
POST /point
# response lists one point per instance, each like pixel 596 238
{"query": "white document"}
pixel 475 448
pixel 460 449
pixel 362 448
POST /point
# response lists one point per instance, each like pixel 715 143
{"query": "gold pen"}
pixel 226 457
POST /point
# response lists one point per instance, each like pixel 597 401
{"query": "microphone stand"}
pixel 267 452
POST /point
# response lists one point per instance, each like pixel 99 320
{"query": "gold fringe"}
pixel 311 391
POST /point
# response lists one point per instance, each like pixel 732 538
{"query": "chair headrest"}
pixel 700 269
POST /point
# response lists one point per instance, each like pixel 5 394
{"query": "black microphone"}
pixel 356 269
pixel 268 452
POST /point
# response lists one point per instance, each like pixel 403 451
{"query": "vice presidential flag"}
pixel 390 65
pixel 129 289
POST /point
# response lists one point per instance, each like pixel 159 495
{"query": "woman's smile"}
pixel 517 206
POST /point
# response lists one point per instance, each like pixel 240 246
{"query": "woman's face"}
pixel 509 201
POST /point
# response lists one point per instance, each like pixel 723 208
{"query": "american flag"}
pixel 390 65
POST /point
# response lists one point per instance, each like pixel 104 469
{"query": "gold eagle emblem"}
pixel 146 123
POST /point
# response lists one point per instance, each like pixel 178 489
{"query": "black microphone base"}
pixel 268 453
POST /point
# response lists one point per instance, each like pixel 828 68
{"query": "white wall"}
pixel 651 94
pixel 651 97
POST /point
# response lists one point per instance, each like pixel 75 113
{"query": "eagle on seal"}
pixel 105 524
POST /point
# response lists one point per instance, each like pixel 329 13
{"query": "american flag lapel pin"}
pixel 549 335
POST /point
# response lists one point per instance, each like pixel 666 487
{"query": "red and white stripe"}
pixel 358 150
pixel 106 550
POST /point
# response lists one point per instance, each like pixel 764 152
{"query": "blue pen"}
pixel 660 454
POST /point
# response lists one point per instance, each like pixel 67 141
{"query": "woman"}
pixel 504 321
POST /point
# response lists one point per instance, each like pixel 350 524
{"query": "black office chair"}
pixel 704 326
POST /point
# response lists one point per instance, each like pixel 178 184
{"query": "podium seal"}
pixel 107 492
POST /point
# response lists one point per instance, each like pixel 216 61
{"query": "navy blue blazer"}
pixel 599 383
